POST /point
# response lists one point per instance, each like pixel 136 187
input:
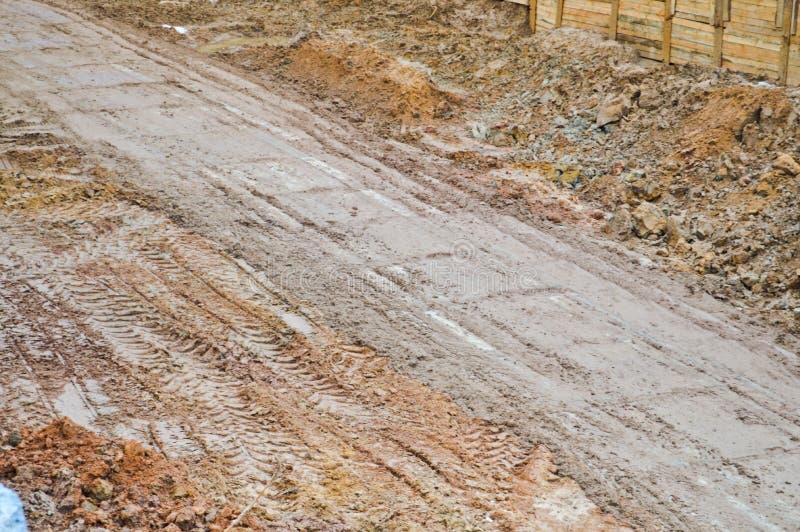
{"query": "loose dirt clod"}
pixel 69 478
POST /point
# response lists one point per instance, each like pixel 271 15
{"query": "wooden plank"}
pixel 737 34
pixel 719 30
pixel 783 65
pixel 716 54
pixel 559 13
pixel 613 19
pixel 666 36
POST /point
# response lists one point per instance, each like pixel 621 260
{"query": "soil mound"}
pixel 71 478
pixel 369 80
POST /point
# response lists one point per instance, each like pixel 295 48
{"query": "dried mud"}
pixel 465 77
pixel 115 317
pixel 671 412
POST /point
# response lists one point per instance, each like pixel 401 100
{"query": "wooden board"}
pixel 745 35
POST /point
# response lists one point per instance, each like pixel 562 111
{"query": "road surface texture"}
pixel 668 411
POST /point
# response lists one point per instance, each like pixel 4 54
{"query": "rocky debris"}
pixel 786 163
pixel 648 220
pixel 612 110
pixel 101 489
pixel 70 478
pixel 621 223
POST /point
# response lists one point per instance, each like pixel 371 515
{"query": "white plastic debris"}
pixel 179 29
pixel 12 517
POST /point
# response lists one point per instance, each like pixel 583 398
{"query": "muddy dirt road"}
pixel 668 411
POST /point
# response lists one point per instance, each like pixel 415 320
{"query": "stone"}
pixel 649 99
pixel 498 137
pixel 646 189
pixel 184 517
pixel 612 110
pixel 180 491
pixel 130 513
pixel 101 489
pixel 787 164
pixel 751 135
pixel 39 503
pixel 703 229
pixel 648 220
pixel 14 438
pixel 569 176
pixel 620 224
pixel 673 230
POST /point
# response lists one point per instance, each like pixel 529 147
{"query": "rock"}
pixel 25 473
pixel 786 162
pixel 39 503
pixel 646 189
pixel 180 491
pixel 620 224
pixel 751 135
pixel 612 110
pixel 750 279
pixel 566 175
pixel 673 231
pixel 88 506
pixel 184 517
pixel 519 134
pixel 14 438
pixel 101 489
pixel 649 99
pixel 648 220
pixel 703 230
pixel 130 513
pixel 498 137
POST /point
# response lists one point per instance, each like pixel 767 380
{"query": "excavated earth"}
pixel 683 163
pixel 284 286
pixel 129 325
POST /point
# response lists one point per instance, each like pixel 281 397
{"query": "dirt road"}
pixel 666 409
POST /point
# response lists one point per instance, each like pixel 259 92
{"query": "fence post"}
pixel 666 37
pixel 559 13
pixel 532 4
pixel 786 41
pixel 613 20
pixel 719 29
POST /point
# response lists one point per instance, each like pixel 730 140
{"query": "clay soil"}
pixel 230 256
pixel 467 81
pixel 123 322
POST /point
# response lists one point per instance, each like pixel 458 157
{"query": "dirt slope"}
pixel 699 148
pixel 671 412
pixel 117 318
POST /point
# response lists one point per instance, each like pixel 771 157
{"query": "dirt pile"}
pixel 70 478
pixel 369 81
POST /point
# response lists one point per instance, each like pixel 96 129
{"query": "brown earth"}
pixel 69 477
pixel 375 83
pixel 121 315
pixel 116 317
pixel 700 141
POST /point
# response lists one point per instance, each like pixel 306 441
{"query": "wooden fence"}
pixel 754 36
